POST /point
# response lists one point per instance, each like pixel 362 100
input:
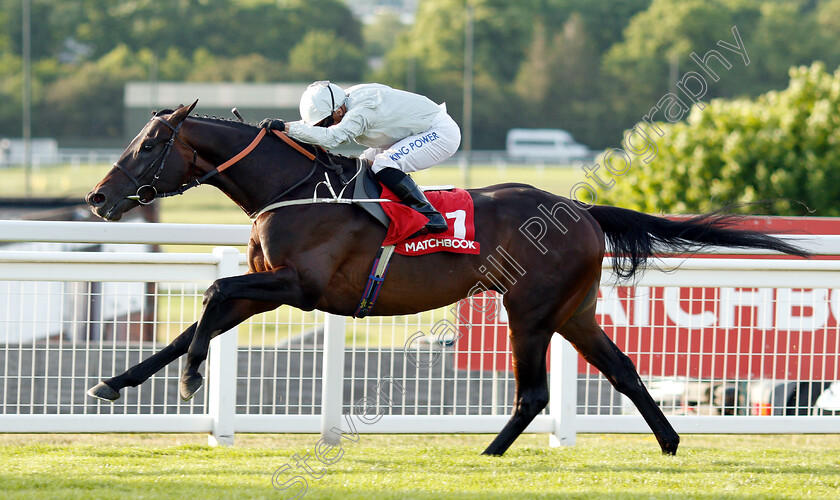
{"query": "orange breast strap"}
pixel 288 140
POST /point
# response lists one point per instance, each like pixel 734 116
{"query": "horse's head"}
pixel 139 175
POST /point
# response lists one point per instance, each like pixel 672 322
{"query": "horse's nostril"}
pixel 96 199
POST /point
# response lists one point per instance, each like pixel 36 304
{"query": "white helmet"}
pixel 319 101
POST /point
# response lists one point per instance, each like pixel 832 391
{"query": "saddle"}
pixel 366 187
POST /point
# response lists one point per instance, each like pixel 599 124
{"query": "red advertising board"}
pixel 722 333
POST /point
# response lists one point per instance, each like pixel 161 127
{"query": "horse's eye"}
pixel 147 146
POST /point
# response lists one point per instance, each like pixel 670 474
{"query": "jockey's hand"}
pixel 273 124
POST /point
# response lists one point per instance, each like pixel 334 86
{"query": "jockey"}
pixel 404 132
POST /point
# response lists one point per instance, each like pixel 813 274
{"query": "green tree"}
pixel 779 147
pixel 100 26
pixel 89 101
pixel 5 34
pixel 228 29
pixel 323 56
pixel 785 35
pixel 502 34
pixel 559 82
pixel 656 42
pixel 604 20
pixel 173 66
pixel 84 51
pixel 324 15
pixel 11 83
pixel 45 39
pixel 429 58
pixel 207 67
pixel 381 34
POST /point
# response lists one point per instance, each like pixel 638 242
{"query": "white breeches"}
pixel 421 151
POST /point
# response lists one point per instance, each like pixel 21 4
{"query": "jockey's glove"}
pixel 272 124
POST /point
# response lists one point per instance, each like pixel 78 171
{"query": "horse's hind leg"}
pixel 109 390
pixel 534 313
pixel 593 344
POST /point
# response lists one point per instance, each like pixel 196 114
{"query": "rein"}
pixel 147 193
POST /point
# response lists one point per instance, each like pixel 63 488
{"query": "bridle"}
pixel 147 193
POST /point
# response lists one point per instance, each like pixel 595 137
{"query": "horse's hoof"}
pixel 492 451
pixel 104 392
pixel 190 384
pixel 670 448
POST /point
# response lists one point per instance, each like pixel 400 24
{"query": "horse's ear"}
pixel 182 112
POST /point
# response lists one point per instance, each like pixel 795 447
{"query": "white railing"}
pixel 219 415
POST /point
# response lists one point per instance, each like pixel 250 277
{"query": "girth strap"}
pixel 375 280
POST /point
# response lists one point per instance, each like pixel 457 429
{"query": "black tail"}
pixel 634 237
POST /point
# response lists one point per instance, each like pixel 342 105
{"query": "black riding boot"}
pixel 409 193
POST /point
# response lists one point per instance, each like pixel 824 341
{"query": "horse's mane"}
pixel 213 119
pixel 231 122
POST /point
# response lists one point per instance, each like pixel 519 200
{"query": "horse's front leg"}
pixel 109 390
pixel 227 303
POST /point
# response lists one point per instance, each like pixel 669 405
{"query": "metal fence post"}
pixel 563 387
pixel 332 390
pixel 221 380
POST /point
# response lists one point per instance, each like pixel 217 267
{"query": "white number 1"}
pixel 460 217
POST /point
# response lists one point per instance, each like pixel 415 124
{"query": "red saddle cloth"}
pixel 456 205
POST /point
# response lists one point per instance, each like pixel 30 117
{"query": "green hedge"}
pixel 781 148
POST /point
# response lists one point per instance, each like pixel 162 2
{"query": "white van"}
pixel 544 144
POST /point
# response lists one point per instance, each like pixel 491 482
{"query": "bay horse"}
pixel 318 256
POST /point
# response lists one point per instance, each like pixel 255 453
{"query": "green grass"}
pixel 426 467
pixel 57 181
